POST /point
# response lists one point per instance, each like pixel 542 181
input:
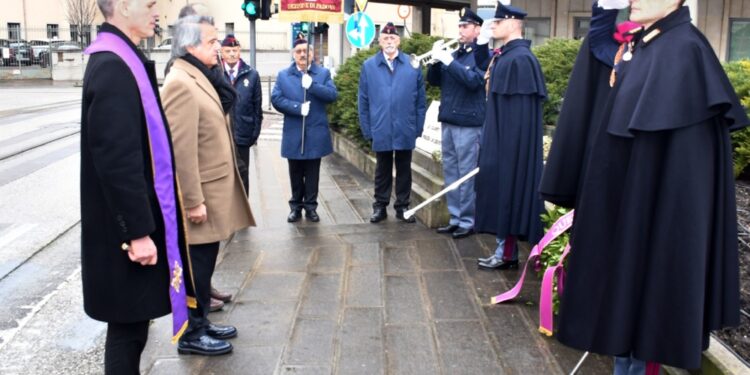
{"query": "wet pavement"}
pixel 344 296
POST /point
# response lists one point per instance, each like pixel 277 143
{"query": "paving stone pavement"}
pixel 344 296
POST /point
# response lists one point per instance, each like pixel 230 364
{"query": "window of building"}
pixel 739 39
pixel 53 31
pixel 74 33
pixel 581 26
pixel 229 28
pixel 14 31
pixel 537 30
pixel 86 35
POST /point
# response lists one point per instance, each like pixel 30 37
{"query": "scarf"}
pixel 227 93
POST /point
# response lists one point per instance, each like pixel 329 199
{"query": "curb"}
pixel 717 360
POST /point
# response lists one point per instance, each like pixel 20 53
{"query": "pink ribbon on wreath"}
pixel 545 309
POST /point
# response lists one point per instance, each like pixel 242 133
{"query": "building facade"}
pixel 726 23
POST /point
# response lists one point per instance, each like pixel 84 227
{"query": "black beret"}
pixel 389 29
pixel 230 41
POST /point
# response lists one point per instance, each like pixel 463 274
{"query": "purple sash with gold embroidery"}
pixel 161 158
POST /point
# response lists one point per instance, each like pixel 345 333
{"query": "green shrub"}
pixel 739 74
pixel 552 252
pixel 556 57
pixel 343 114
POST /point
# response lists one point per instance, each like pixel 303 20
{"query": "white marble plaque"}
pixel 432 136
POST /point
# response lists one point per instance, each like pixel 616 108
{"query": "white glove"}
pixel 444 56
pixel 437 46
pixel 613 4
pixel 306 81
pixel 485 34
pixel 305 109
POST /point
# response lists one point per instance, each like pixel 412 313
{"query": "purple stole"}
pixel 161 159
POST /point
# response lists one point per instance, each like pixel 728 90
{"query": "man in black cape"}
pixel 510 157
pixel 654 263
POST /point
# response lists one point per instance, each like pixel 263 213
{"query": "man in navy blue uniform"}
pixel 301 93
pixel 462 107
pixel 247 113
pixel 392 108
pixel 510 157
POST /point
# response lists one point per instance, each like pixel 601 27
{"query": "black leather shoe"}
pixel 447 229
pixel 497 264
pixel 221 332
pixel 463 232
pixel 294 216
pixel 400 216
pixel 312 216
pixel 204 345
pixel 378 214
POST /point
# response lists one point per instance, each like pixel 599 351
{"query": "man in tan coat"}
pixel 196 102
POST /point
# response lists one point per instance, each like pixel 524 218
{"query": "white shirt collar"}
pixel 236 67
pixel 394 56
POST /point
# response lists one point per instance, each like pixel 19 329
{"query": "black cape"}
pixel 654 264
pixel 510 156
pixel 582 110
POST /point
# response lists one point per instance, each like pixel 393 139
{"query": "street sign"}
pixel 360 30
pixel 404 11
pixel 361 4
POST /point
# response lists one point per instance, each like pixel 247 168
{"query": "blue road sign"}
pixel 360 30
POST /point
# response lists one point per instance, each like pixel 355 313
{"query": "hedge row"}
pixel 556 57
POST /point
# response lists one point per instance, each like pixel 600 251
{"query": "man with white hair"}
pixel 391 115
pixel 132 236
pixel 197 102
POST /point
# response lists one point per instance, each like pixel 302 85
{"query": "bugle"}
pixel 427 58
pixel 435 197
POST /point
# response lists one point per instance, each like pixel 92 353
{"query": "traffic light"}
pixel 265 9
pixel 251 8
pixel 320 28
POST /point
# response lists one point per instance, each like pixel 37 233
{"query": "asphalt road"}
pixel 42 326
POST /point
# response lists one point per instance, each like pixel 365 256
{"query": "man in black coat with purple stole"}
pixel 132 235
pixel 510 157
pixel 653 267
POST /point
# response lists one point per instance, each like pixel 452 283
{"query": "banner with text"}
pixel 328 11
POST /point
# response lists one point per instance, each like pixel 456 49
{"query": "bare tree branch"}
pixel 81 13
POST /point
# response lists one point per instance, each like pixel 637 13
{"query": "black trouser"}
pixel 123 347
pixel 384 178
pixel 304 176
pixel 203 261
pixel 243 164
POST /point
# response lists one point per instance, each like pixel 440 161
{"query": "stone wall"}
pixel 427 178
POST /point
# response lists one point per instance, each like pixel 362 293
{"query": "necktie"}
pixel 231 75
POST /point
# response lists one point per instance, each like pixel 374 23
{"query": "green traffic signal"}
pixel 250 8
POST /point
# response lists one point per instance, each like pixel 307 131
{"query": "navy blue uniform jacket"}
pixel 462 94
pixel 247 113
pixel 287 97
pixel 391 104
